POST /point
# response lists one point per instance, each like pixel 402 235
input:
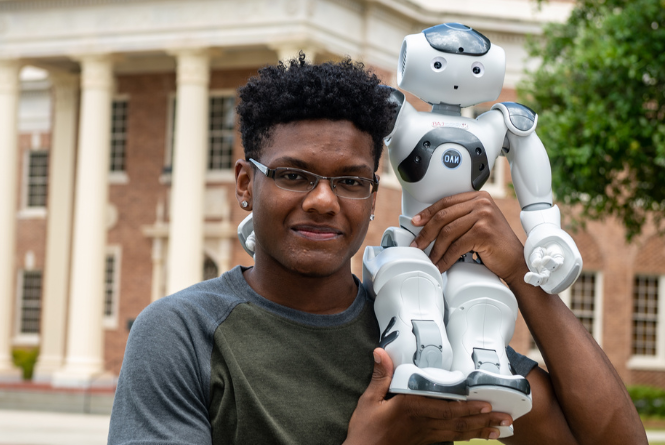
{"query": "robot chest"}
pixel 446 153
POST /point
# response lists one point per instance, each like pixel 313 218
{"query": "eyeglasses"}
pixel 296 180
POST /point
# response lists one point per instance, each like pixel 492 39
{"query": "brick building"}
pixel 118 150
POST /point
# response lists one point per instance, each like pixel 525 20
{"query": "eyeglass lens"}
pixel 303 181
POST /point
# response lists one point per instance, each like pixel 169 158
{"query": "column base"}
pixel 46 367
pixel 10 373
pixel 83 374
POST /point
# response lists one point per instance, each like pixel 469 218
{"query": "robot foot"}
pixel 432 382
pixel 509 394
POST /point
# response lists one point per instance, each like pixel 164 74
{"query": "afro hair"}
pixel 298 90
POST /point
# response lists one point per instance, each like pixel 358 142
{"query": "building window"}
pixel 111 287
pixel 31 302
pixel 221 133
pixel 118 135
pixel 583 300
pixel 645 315
pixel 220 136
pixel 37 179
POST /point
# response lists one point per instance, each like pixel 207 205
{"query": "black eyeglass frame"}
pixel 270 173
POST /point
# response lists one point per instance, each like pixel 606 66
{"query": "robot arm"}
pixel 551 254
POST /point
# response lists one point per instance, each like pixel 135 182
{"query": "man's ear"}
pixel 244 174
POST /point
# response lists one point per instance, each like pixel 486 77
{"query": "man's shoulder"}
pixel 207 303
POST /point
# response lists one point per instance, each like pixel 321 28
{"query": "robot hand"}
pixel 551 254
pixel 246 235
pixel 544 260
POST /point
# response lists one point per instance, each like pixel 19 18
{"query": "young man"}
pixel 285 352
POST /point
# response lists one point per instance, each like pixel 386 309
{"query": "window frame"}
pixel 215 176
pixel 118 176
pixel 22 338
pixel 110 322
pixel 535 354
pixel 651 362
pixel 26 211
pixel 226 174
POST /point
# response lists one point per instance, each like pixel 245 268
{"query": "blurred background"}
pixel 118 137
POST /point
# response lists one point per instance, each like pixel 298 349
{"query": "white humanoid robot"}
pixel 447 334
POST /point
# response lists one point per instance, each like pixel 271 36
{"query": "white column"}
pixel 84 358
pixel 185 258
pixel 9 90
pixel 58 242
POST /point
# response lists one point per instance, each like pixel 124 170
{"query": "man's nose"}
pixel 322 199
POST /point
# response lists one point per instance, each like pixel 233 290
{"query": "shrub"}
pixel 648 400
pixel 26 359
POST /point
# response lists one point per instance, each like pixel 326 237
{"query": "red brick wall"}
pixel 30 232
pixel 602 243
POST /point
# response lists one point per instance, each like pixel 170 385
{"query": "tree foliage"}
pixel 600 96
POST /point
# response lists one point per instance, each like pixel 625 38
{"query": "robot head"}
pixel 451 64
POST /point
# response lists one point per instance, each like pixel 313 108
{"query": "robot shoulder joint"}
pixel 520 119
pixel 396 97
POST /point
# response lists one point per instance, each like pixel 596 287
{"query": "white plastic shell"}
pixel 455 81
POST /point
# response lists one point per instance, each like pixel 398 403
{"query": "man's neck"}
pixel 313 294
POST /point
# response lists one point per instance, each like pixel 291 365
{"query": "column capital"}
pixel 9 75
pixel 193 65
pixel 62 79
pixel 96 71
pixel 64 85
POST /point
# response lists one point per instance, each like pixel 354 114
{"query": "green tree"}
pixel 600 96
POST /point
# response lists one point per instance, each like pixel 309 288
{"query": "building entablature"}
pixel 55 32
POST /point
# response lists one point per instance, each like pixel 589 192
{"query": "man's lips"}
pixel 319 233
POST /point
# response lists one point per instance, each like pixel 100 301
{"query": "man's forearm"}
pixel 588 389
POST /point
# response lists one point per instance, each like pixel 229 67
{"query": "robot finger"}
pixel 533 279
pixel 536 256
pixel 251 242
pixel 552 263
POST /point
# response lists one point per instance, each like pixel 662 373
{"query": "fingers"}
pixel 446 409
pixel 452 420
pixel 381 376
pixel 536 279
pixel 444 257
pixel 439 221
pixel 426 215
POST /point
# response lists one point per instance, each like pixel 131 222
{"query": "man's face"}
pixel 312 233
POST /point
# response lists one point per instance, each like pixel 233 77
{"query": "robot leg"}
pixel 481 322
pixel 409 308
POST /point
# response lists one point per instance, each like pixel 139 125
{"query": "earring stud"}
pixel 371 217
pixel 244 204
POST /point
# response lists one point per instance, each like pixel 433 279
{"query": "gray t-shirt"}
pixel 218 363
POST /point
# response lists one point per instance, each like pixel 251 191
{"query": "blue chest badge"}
pixel 452 158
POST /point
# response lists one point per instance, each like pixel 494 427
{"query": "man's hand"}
pixel 471 222
pixel 406 419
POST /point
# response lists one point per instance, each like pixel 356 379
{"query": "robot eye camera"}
pixel 451 64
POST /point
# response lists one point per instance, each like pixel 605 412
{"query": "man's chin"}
pixel 317 269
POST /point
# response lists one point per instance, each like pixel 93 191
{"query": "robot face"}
pixel 451 64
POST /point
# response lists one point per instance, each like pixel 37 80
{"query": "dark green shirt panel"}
pixel 274 380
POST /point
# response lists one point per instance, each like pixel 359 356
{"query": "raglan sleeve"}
pixel 162 395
